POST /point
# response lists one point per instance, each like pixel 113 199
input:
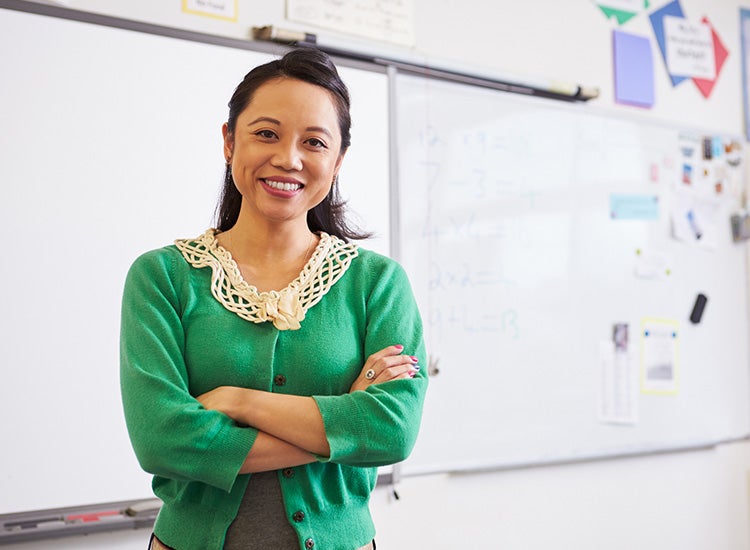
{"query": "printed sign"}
pixel 222 9
pixel 689 48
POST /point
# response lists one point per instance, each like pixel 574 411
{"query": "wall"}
pixel 680 501
pixel 566 41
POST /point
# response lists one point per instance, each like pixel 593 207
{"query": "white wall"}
pixel 568 41
pixel 681 501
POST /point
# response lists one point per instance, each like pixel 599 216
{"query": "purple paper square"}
pixel 634 69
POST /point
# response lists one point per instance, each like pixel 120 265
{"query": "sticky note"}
pixel 634 69
pixel 633 207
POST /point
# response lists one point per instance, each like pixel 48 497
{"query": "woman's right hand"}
pixel 385 365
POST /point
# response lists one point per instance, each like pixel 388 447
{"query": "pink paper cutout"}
pixel 720 55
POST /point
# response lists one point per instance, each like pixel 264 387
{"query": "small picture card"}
pixel 220 9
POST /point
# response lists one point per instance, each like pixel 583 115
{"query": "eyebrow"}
pixel 278 123
pixel 265 119
pixel 319 129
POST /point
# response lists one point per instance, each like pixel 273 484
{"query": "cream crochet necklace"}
pixel 284 308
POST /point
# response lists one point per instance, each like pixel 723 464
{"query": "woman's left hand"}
pixel 385 365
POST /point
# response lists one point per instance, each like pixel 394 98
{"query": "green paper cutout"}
pixel 622 16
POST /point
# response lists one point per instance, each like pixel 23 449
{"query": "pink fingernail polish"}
pixel 399 346
pixel 414 359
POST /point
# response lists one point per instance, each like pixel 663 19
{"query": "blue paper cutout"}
pixel 657 22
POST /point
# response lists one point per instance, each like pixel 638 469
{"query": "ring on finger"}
pixel 370 374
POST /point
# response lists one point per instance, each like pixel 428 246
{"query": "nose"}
pixel 287 156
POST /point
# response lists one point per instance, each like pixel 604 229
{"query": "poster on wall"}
pixel 688 48
pixel 391 22
pixel 692 49
pixel 745 37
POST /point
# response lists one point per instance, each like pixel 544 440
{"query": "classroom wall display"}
pixel 545 242
pixel 111 146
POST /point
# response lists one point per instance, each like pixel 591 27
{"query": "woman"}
pixel 269 366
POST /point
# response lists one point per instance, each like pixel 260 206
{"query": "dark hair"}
pixel 315 67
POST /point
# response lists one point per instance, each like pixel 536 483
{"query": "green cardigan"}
pixel 178 341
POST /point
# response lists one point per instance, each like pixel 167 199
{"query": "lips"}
pixel 280 185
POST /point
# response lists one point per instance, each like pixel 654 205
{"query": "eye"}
pixel 317 143
pixel 265 134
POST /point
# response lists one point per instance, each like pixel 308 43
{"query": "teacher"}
pixel 270 365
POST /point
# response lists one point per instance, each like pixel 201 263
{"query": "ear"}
pixel 228 142
pixel 339 162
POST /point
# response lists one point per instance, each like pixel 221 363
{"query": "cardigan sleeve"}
pixel 379 426
pixel 172 435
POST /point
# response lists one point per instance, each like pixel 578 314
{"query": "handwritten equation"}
pixel 445 321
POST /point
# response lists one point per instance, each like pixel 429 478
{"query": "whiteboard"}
pixel 111 146
pixel 505 211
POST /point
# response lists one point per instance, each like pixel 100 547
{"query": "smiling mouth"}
pixel 282 185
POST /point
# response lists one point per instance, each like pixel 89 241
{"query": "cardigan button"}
pixel 279 379
pixel 309 543
pixel 298 516
pixel 288 472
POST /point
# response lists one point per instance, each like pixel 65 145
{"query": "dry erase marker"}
pixel 90 517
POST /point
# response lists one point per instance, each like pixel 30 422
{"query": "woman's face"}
pixel 285 151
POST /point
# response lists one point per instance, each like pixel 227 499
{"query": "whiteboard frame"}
pixel 637 450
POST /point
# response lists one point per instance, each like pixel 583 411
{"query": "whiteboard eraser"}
pixel 698 307
pixel 285 36
pixel 144 508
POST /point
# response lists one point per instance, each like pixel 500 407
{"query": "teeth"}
pixel 282 186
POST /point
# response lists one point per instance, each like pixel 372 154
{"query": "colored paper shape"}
pixel 720 55
pixel 634 69
pixel 657 22
pixel 690 48
pixel 745 41
pixel 621 10
pixel 634 207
